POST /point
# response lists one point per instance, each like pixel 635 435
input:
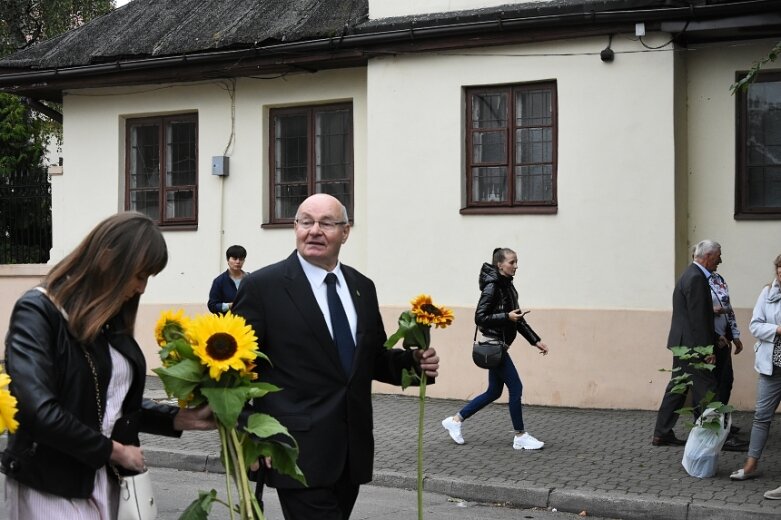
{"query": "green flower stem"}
pixel 228 466
pixel 421 414
pixel 248 499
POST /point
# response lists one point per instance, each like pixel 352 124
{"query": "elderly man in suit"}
pixel 319 323
pixel 691 326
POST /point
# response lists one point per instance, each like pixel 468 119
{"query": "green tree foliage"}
pixel 23 132
pixel 749 78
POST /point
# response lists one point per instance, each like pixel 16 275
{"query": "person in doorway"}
pixel 319 323
pixel 78 377
pixel 499 317
pixel 226 285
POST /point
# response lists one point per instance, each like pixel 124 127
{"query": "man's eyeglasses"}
pixel 325 225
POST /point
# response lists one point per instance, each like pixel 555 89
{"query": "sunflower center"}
pixel 221 346
pixel 431 309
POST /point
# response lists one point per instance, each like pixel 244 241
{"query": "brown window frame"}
pixel 310 111
pixel 743 210
pixel 163 190
pixel 509 162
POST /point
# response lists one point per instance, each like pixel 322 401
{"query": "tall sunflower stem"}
pixel 248 500
pixel 421 415
pixel 226 457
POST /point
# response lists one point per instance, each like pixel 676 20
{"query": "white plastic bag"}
pixel 701 454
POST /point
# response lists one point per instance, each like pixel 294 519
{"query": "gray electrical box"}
pixel 220 165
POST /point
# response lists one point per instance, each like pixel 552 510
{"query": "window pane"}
pixel 489 147
pixel 146 202
pixel 489 110
pixel 180 204
pixel 332 145
pixel 763 144
pixel 533 108
pixel 340 190
pixel 288 197
pixel 534 183
pixel 290 148
pixel 764 187
pixel 533 145
pixel 144 156
pixel 181 153
pixel 489 184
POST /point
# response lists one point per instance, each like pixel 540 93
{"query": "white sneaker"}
pixel 454 429
pixel 527 442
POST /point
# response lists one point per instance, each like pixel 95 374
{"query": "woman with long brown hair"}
pixel 78 376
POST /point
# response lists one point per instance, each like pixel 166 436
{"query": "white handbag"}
pixel 136 499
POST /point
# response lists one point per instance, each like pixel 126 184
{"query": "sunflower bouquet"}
pixel 415 331
pixel 211 360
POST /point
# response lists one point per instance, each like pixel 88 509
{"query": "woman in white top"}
pixel 766 327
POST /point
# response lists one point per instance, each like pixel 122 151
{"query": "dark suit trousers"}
pixel 723 373
pixel 322 503
pixel 702 380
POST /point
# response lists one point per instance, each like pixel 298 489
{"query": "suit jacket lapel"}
pixel 300 292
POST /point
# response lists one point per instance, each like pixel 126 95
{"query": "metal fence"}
pixel 25 217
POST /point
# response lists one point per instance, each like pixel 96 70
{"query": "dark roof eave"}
pixel 354 49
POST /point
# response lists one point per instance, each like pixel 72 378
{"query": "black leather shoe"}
pixel 734 444
pixel 668 440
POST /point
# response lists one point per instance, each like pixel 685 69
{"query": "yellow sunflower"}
pixel 426 313
pixel 171 322
pixel 7 406
pixel 223 343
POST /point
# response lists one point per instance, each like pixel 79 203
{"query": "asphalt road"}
pixel 175 490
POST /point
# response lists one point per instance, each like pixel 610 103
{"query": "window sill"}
pixel 510 210
pixel 758 216
pixel 178 227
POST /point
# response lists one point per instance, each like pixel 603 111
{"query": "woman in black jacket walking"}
pixel 498 317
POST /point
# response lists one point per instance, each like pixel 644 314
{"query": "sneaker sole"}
pixel 526 448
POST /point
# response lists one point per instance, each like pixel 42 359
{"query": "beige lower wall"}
pixel 598 358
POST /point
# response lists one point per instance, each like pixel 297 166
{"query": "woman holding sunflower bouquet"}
pixel 78 376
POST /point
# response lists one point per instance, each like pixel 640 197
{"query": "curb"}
pixel 637 507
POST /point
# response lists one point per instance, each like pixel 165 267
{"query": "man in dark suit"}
pixel 325 401
pixel 691 326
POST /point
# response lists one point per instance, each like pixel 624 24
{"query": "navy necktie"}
pixel 341 327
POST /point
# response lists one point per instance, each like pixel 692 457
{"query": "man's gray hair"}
pixel 706 247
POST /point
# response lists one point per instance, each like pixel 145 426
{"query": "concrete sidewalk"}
pixel 600 461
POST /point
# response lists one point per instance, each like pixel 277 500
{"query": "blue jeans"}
pixel 504 374
pixel 768 397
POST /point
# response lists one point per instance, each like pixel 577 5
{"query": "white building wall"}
pixel 232 209
pixel 615 177
pixel 748 246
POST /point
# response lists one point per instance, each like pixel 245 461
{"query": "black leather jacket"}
pixel 58 445
pixel 498 297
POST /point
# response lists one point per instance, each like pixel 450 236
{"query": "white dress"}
pixel 26 503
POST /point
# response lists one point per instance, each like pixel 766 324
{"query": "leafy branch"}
pixel 751 76
pixel 696 358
